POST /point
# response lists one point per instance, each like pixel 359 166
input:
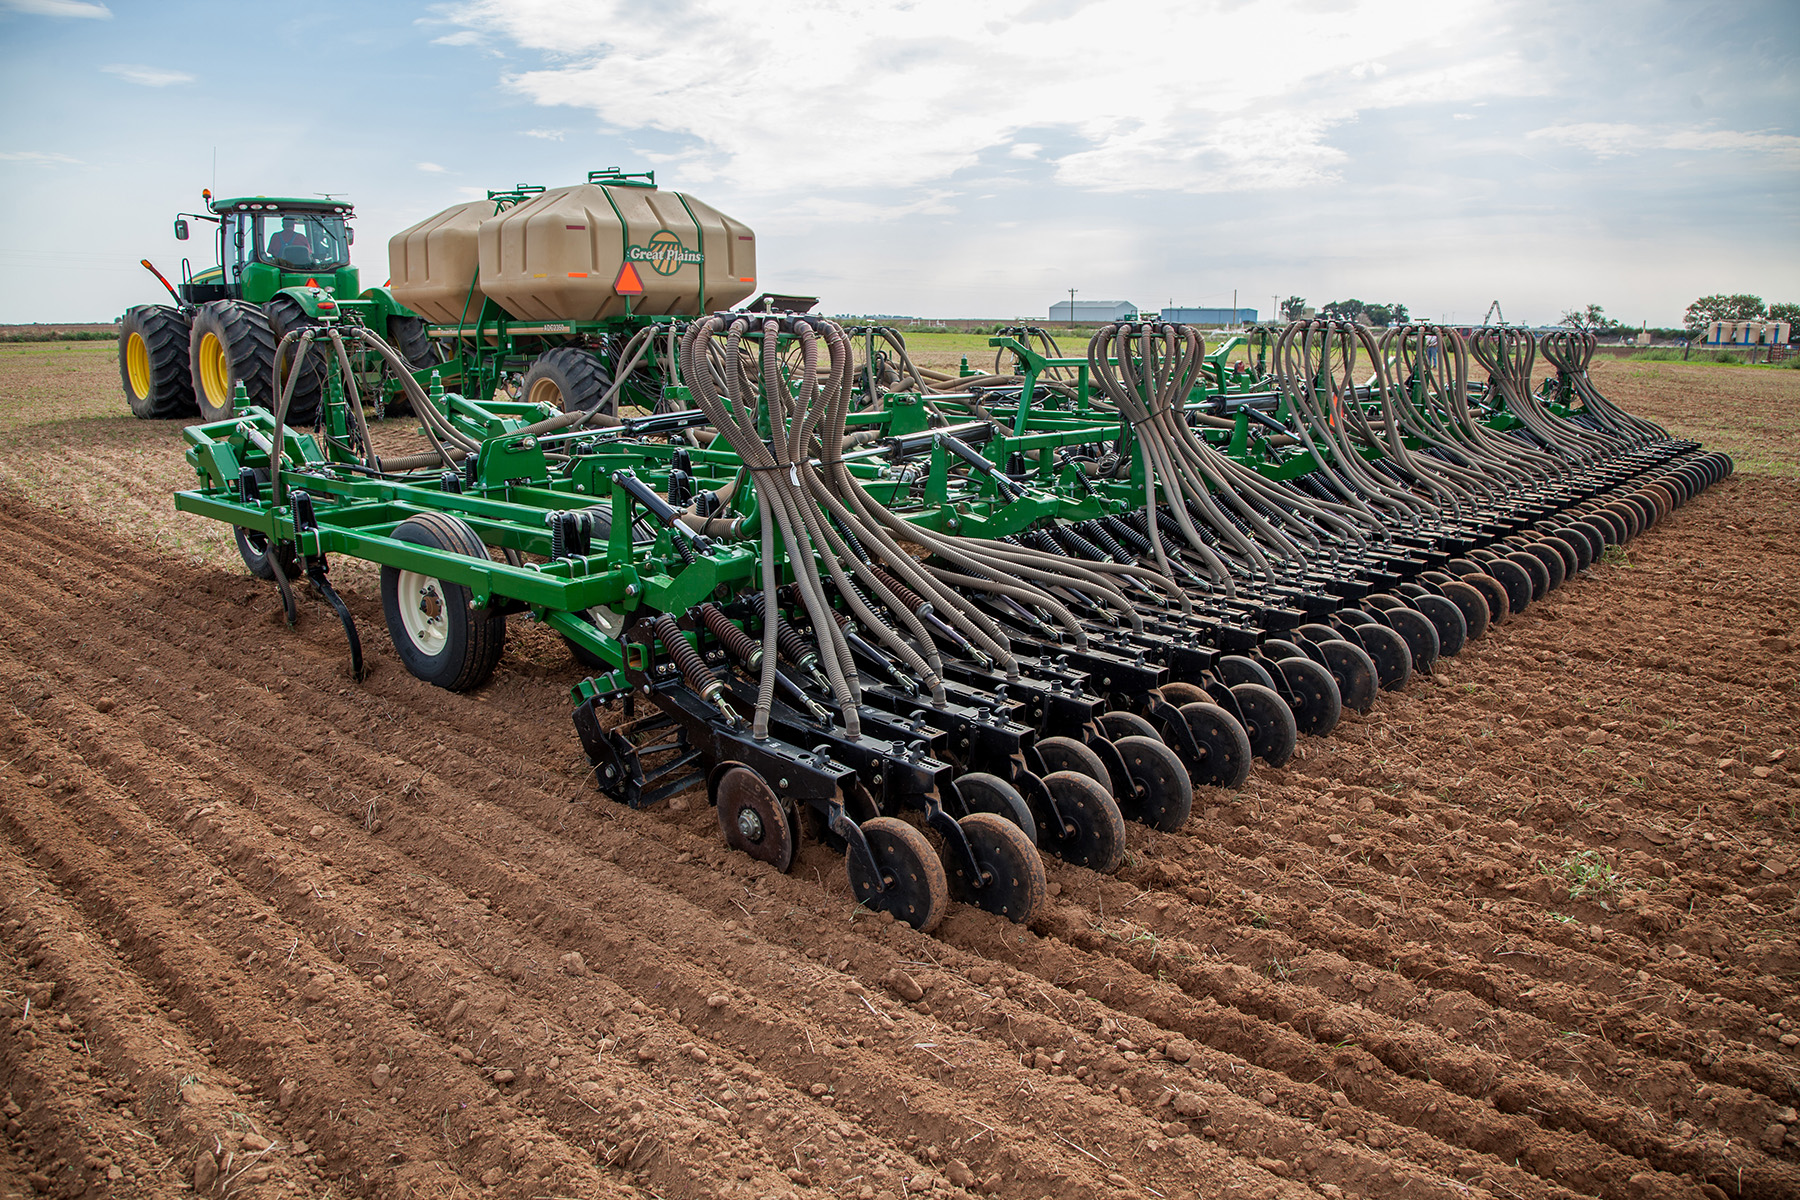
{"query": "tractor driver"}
pixel 284 241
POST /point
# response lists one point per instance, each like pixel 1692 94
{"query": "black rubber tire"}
pixel 165 376
pixel 1535 570
pixel 1353 671
pixel 1235 669
pixel 1019 889
pixel 286 315
pixel 1319 707
pixel 1121 724
pixel 568 378
pixel 1268 722
pixel 1226 745
pixel 901 852
pixel 246 349
pixel 1067 754
pixel 1391 655
pixel 1098 840
pixel 473 640
pixel 1420 635
pixel 253 547
pixel 1162 791
pixel 981 792
pixel 1452 626
pixel 407 335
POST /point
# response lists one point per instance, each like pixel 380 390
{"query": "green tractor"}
pixel 282 262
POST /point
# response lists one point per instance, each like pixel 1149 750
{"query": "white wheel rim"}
pixel 423 612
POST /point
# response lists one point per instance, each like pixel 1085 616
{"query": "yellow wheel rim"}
pixel 137 365
pixel 215 373
pixel 545 391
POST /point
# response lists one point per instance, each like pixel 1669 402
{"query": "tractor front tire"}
pixel 153 361
pixel 286 315
pixel 232 343
pixel 568 378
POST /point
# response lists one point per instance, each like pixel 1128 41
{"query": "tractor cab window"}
pixel 302 241
pixel 239 232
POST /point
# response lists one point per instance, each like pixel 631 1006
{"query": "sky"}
pixel 952 158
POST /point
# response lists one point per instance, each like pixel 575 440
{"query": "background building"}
pixel 1210 316
pixel 1092 312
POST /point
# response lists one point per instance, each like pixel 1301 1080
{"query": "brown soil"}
pixel 1527 930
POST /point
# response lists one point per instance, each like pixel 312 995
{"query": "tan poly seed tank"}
pixel 557 256
pixel 432 264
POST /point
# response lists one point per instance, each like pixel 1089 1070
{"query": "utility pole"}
pixel 1234 311
pixel 1071 306
pixel 1274 309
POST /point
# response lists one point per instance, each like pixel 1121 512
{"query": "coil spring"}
pixel 687 659
pixel 1126 534
pixel 1098 533
pixel 913 601
pixel 1080 545
pixel 1046 543
pixel 737 643
pixel 793 645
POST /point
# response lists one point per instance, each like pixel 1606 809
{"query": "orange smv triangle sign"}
pixel 627 283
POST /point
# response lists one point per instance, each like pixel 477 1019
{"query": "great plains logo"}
pixel 664 252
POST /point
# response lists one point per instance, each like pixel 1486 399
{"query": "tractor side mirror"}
pixel 181 230
pixel 350 237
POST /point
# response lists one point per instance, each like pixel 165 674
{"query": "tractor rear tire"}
pixel 568 378
pixel 286 315
pixel 438 633
pixel 153 361
pixel 407 335
pixel 232 343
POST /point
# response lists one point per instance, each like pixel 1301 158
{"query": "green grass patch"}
pixel 1584 874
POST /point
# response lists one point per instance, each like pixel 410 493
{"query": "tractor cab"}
pixel 270 243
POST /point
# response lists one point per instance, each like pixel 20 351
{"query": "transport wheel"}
pixel 753 819
pixel 153 361
pixel 286 314
pixel 1354 671
pixel 1067 754
pixel 1445 617
pixel 440 638
pixel 910 871
pixel 1392 658
pixel 984 793
pixel 1224 746
pixel 1316 705
pixel 1121 724
pixel 1235 669
pixel 231 343
pixel 1094 832
pixel 1014 885
pixel 568 378
pixel 1162 792
pixel 1268 722
pixel 1419 634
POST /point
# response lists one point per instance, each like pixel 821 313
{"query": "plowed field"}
pixel 1527 930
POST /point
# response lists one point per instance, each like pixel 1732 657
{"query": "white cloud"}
pixel 147 76
pixel 60 8
pixel 548 135
pixel 462 37
pixel 431 168
pixel 1612 140
pixel 922 92
pixel 1462 116
pixel 40 158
